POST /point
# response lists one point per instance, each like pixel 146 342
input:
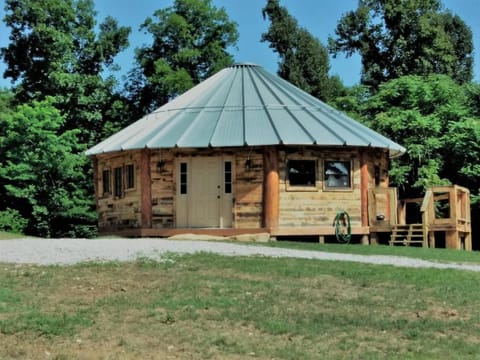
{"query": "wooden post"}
pixel 468 224
pixel 468 241
pixel 402 212
pixel 146 189
pixel 452 240
pixel 431 239
pixel 270 188
pixel 96 180
pixel 364 194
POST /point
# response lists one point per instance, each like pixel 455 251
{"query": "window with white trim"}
pixel 228 177
pixel 183 178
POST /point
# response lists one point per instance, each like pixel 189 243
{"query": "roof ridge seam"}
pixel 269 116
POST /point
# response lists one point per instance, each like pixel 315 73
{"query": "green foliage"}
pixel 12 221
pixel 56 59
pixel 42 170
pixel 407 37
pixel 190 41
pixel 433 119
pixel 55 50
pixel 303 59
pixel 46 324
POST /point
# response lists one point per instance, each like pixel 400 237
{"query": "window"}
pixel 338 174
pixel 228 177
pixel 302 173
pixel 106 181
pixel 130 176
pixel 118 181
pixel 183 178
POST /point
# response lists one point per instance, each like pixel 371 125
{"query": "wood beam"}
pixel 364 193
pixel 316 230
pixel 364 189
pixel 96 181
pixel 271 188
pixel 146 189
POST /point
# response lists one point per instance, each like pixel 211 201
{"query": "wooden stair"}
pixel 407 234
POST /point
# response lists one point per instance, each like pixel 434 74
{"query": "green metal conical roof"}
pixel 244 105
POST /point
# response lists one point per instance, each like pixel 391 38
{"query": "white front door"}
pixel 204 192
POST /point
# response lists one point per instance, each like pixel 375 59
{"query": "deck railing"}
pixel 443 209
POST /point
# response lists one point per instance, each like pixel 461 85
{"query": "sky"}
pixel 319 17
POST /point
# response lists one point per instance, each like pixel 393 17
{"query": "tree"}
pixel 41 174
pixel 190 42
pixel 55 50
pixel 406 37
pixel 432 118
pixel 303 59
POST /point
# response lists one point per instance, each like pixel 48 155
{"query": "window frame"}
pixel 106 185
pixel 227 177
pixel 326 187
pixel 118 190
pixel 183 178
pixel 304 187
pixel 127 179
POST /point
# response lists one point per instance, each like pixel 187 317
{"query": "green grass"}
pixel 207 306
pixel 443 255
pixel 7 235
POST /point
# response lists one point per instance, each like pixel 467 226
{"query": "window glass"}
pixel 301 172
pixel 183 178
pixel 118 181
pixel 106 181
pixel 337 174
pixel 130 170
pixel 228 177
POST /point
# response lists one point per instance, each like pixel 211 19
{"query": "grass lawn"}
pixel 212 307
pixel 7 236
pixel 443 255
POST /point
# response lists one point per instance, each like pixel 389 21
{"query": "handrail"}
pixel 426 200
pixel 425 215
pixel 456 225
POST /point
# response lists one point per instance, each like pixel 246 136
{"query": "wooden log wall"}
pixel 319 206
pixel 247 185
pixel 315 207
pixel 248 189
pixel 124 212
pixel 377 162
pixel 162 173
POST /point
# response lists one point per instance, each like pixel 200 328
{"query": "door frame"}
pixel 183 213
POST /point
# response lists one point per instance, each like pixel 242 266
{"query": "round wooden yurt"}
pixel 242 152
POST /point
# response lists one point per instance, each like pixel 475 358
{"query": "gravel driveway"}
pixel 71 251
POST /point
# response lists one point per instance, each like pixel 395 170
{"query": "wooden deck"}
pixel 294 231
pixel 443 209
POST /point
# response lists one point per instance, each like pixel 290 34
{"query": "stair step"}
pixel 407 234
pixel 404 236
